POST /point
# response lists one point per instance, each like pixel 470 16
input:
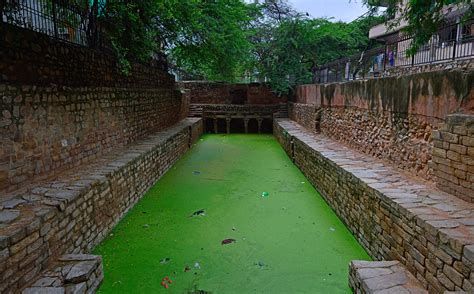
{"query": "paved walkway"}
pixel 443 225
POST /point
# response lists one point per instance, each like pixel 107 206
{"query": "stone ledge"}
pixel 367 277
pixel 75 211
pixel 73 273
pixel 393 216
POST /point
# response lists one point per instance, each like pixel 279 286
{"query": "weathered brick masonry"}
pixel 80 144
pixel 389 118
pixel 63 105
pixel 392 216
pixel 203 92
pixel 453 156
pixel 76 210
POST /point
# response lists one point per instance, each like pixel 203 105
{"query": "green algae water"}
pixel 230 187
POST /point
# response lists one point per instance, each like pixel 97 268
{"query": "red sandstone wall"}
pixel 223 93
pixel 63 105
pixel 389 118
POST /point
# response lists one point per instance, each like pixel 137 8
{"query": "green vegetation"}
pixel 286 241
pixel 232 40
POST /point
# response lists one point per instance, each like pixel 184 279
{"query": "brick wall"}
pixel 30 58
pixel 223 93
pixel 78 209
pixel 389 118
pixel 63 105
pixel 453 156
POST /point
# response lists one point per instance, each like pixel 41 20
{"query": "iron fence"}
pixel 73 21
pixel 451 42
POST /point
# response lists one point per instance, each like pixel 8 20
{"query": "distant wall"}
pixel 63 105
pixel 389 118
pixel 223 93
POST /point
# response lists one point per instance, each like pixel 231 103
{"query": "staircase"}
pixel 195 110
pixel 282 111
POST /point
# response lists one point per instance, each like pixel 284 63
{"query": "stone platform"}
pixel 392 215
pixel 72 273
pixel 73 212
pixel 388 277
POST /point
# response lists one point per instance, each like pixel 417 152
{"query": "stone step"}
pixel 72 273
pixel 370 277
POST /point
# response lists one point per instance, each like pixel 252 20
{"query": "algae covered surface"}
pixel 234 215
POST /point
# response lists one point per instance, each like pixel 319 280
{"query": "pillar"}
pixel 246 125
pixel 215 125
pixel 259 121
pixel 227 124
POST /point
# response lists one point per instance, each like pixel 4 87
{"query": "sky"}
pixel 344 10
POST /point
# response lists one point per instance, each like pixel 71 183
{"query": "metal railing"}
pixel 451 42
pixel 73 21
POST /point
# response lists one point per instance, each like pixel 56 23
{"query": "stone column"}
pixel 246 125
pixel 215 125
pixel 259 121
pixel 227 124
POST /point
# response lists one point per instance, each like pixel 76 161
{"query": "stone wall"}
pixel 388 118
pixel 223 93
pixel 64 105
pixel 46 130
pixel 391 215
pixel 453 156
pixel 466 64
pixel 31 58
pixel 75 211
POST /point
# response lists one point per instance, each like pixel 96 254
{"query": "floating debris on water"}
pixel 187 268
pixel 332 229
pixel 261 264
pixel 200 212
pixel 265 194
pixel 165 282
pixel 196 172
pixel 234 229
pixel 302 182
pixel 228 241
pixel 197 265
pixel 146 225
pixel 165 260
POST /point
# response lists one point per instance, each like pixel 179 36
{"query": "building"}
pixel 453 41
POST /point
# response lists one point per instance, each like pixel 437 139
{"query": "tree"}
pixel 424 17
pixel 205 37
pixel 289 45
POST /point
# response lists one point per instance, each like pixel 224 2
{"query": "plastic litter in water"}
pixel 265 194
pixel 228 241
pixel 146 226
pixel 332 229
pixel 197 265
pixel 165 260
pixel 200 212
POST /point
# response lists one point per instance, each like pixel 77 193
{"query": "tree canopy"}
pixel 233 40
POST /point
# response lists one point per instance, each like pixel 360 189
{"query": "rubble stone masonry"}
pixel 393 216
pixel 75 211
pixel 390 118
pixel 453 156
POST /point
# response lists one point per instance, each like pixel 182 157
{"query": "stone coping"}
pixel 370 277
pixel 431 226
pixel 72 273
pixel 35 220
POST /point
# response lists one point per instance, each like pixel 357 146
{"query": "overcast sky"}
pixel 344 10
